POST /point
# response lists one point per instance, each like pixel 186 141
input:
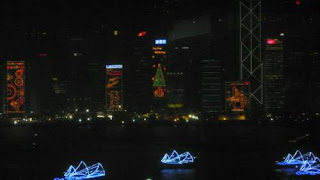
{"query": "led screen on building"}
pixel 15 87
pixel 237 96
pixel 114 98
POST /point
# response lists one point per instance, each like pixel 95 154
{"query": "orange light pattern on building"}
pixel 160 52
pixel 15 87
pixel 112 82
pixel 237 96
pixel 157 48
pixel 114 101
pixel 114 88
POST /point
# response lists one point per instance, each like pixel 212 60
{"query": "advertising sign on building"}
pixel 15 87
pixel 237 96
pixel 114 89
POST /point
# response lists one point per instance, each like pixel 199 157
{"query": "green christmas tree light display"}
pixel 159 78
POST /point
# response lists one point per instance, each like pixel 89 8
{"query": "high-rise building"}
pixel 211 85
pixel 140 72
pixel 274 76
pixel 114 87
pixel 251 64
pixel 15 94
pixel 301 72
pixel 315 83
pixel 159 80
pixel 175 90
pixel 177 81
pixel 207 55
pixel 290 55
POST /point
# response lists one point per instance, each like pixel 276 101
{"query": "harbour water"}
pixel 41 152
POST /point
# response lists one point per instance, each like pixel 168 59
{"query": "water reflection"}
pixel 287 171
pixel 178 174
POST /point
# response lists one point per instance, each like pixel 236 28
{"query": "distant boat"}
pixel 175 158
pixel 82 171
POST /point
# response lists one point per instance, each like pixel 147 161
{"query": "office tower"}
pixel 274 76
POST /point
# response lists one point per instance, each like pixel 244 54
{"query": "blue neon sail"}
pixel 82 171
pixel 297 158
pixel 175 158
pixel 310 168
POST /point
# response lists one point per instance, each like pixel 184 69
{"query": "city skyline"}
pixel 65 62
pixel 121 88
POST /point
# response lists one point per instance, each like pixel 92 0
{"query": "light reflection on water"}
pixel 287 171
pixel 178 174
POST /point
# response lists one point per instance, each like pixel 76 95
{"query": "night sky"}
pixel 141 14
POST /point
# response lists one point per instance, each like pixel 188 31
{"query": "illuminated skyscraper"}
pixel 251 64
pixel 159 66
pixel 274 76
pixel 159 58
pixel 291 52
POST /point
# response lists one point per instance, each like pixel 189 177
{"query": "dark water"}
pixel 224 152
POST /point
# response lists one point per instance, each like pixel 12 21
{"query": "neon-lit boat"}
pixel 82 171
pixel 176 158
pixel 310 168
pixel 297 159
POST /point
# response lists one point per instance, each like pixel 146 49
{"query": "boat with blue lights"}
pixel 176 160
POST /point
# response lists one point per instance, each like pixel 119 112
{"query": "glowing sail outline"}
pixel 82 171
pixel 297 158
pixel 175 158
pixel 310 168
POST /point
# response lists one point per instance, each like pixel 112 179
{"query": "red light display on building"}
pixel 271 41
pixel 142 33
pixel 298 2
pixel 15 87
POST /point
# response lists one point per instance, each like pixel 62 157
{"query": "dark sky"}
pixel 139 13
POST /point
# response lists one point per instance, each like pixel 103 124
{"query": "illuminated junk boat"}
pixel 310 168
pixel 297 159
pixel 82 171
pixel 178 159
